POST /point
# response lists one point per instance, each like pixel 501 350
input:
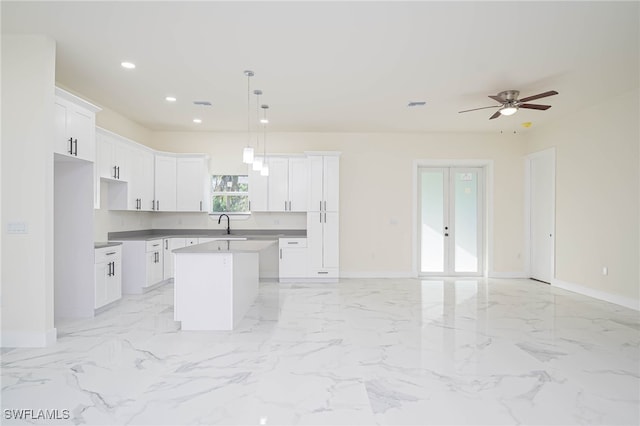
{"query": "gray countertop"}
pixel 251 234
pixel 103 244
pixel 247 246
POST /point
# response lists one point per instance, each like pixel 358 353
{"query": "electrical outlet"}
pixel 17 228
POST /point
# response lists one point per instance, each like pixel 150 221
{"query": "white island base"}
pixel 216 283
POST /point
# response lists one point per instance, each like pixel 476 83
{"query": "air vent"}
pixel 202 103
pixel 416 103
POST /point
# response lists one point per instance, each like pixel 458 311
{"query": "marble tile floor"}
pixel 360 352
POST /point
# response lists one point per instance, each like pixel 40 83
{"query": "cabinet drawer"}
pixel 154 245
pixel 108 254
pixel 292 243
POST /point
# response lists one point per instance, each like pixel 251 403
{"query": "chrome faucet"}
pixel 228 225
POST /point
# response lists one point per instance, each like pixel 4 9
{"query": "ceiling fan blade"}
pixel 496 115
pixel 475 109
pixel 535 106
pixel 538 96
pixel 497 98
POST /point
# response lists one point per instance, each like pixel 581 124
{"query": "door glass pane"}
pixel 432 221
pixel 466 221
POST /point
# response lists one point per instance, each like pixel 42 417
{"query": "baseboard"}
pixel 26 339
pixel 376 274
pixel 627 302
pixel 517 275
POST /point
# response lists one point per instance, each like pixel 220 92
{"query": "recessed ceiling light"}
pixel 128 65
pixel 197 120
pixel 170 99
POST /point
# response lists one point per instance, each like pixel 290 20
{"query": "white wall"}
pixel 597 197
pixel 28 73
pixel 376 188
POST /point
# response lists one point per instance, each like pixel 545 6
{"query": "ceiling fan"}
pixel 509 103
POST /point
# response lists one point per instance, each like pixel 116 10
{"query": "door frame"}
pixel 527 211
pixel 487 208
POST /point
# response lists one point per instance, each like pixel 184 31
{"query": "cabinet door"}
pixel 155 269
pixel 104 156
pixel 314 239
pixel 331 179
pixel 190 178
pixel 171 244
pixel 114 282
pixel 258 190
pixel 165 183
pixel 293 263
pixel 278 184
pixel 101 284
pixel 316 166
pixel 81 128
pixel 121 161
pixel 330 240
pixel 141 179
pixel 61 143
pixel 298 184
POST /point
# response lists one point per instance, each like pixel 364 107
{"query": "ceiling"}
pixel 337 66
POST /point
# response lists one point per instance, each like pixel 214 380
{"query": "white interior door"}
pixel 542 213
pixel 451 231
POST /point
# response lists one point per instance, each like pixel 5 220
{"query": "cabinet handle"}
pixel 280 253
pixel 158 205
pixel 285 206
pixel 292 242
pixel 153 204
pixel 110 253
pixel 118 172
pixel 320 206
pixel 325 206
pixel 115 172
pixel 200 205
pixel 156 245
pixel 71 146
pixel 75 142
pixel 166 244
pixel 323 272
pixel 289 205
pixel 113 269
pixel 320 214
pixel 139 203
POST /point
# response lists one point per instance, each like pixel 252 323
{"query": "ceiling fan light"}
pixel 508 110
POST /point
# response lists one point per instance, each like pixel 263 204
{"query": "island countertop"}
pixel 246 246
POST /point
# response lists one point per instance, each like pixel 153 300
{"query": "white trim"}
pixel 29 339
pixel 627 302
pixel 377 274
pixel 515 275
pixel 487 165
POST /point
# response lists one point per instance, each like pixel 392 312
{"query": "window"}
pixel 229 194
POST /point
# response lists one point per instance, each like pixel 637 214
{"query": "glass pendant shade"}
pixel 264 171
pixel 257 164
pixel 247 155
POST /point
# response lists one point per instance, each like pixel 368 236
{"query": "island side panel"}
pixel 204 291
pixel 246 273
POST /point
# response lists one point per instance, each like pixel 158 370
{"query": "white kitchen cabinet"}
pixel 323 231
pixel 278 184
pixel 298 184
pixel 323 244
pixel 293 259
pixel 258 190
pixel 192 183
pixel 165 183
pixel 142 265
pixel 324 183
pixel 108 275
pixel 141 184
pixel 112 156
pixel 169 245
pixel 75 121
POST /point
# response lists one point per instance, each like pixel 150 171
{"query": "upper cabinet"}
pixel 285 189
pixel 192 184
pixel 75 123
pixel 324 178
pixel 112 156
pixel 141 185
pixel 165 183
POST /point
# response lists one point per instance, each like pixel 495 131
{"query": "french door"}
pixel 451 221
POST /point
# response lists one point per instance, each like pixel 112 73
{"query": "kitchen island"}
pixel 216 283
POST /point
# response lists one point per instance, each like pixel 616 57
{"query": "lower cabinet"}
pixel 169 245
pixel 142 265
pixel 293 259
pixel 108 275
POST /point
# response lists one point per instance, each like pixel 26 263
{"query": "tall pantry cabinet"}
pixel 323 216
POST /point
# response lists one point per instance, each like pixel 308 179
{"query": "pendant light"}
pixel 247 153
pixel 257 161
pixel 264 121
